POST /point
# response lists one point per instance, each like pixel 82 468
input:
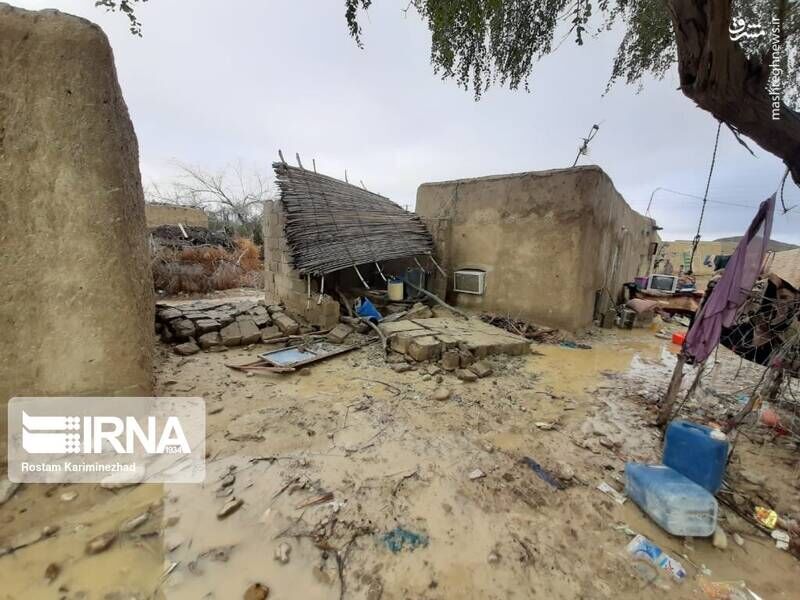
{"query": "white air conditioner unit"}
pixel 469 281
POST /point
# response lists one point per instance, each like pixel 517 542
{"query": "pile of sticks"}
pixel 331 225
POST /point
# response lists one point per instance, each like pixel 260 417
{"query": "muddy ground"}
pixel 394 457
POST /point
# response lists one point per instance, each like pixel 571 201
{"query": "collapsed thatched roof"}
pixel 331 225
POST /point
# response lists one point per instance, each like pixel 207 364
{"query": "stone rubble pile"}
pixel 214 327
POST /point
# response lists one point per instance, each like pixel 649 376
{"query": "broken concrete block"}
pixel 400 367
pixel 249 330
pixel 424 348
pixel 206 325
pixel 481 368
pixel 465 375
pixel 450 360
pixel 231 334
pixel 399 342
pixel 286 324
pixel 339 333
pixel 209 340
pixel 465 358
pixel 167 314
pixel 270 333
pixel 187 348
pixel 262 320
pixel 448 341
pixel 183 328
pixel 274 308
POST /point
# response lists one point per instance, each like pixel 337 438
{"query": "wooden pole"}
pixel 665 411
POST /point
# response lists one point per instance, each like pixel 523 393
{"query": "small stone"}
pixel 719 539
pixel 476 474
pixel 738 539
pixel 134 523
pixel 257 591
pixel 441 394
pixel 52 571
pixel 401 367
pixel 228 480
pixel 425 377
pixel 481 368
pixel 493 558
pixel 187 348
pixel 465 358
pixel 282 553
pixel 69 496
pixel 465 375
pixel 101 542
pixel 230 507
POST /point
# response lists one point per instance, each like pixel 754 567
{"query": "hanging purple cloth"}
pixel 732 290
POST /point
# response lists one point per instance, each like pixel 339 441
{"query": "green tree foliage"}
pixel 481 42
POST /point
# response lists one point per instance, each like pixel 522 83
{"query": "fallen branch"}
pixel 436 299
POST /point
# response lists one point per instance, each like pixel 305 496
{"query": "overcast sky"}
pixel 211 83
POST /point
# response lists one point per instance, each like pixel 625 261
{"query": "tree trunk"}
pixel 716 74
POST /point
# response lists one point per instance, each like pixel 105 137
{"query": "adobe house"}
pixel 554 247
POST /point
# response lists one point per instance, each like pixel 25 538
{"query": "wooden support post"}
pixel 665 411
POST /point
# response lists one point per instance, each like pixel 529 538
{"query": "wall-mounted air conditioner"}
pixel 469 281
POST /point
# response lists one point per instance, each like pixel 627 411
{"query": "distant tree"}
pixel 737 59
pixel 233 197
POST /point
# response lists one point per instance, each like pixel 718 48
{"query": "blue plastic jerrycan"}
pixel 676 503
pixel 697 452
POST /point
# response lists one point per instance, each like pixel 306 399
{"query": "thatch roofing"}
pixel 332 225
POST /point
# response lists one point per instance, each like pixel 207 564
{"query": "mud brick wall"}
pixel 168 214
pixel 284 285
pixel 77 309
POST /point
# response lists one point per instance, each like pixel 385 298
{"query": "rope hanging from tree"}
pixel 696 240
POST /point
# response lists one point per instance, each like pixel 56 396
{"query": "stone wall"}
pixel 284 285
pixel 77 309
pixel 169 214
pixel 551 242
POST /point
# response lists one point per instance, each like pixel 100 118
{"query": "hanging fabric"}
pixel 743 268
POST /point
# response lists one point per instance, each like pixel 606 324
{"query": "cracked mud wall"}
pixel 77 309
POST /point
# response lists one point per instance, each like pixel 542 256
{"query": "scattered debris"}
pixel 52 571
pixel 400 538
pixel 544 475
pixel 615 495
pixel 69 496
pixel 134 523
pixel 230 507
pixel 101 543
pixel 257 591
pixel 282 552
pixel 441 394
pixel 719 540
pixel 465 375
pixel 476 474
pixel 641 548
pixel 321 499
pixel 781 538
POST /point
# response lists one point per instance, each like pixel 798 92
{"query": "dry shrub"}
pixel 200 269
